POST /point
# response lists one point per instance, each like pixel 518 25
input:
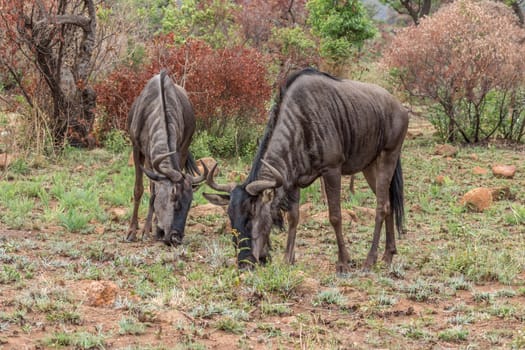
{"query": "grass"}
pixel 455 273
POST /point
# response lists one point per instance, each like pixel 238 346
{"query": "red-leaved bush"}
pixel 222 84
pixel 467 59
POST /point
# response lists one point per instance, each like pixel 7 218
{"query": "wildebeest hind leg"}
pixel 390 245
pixel 332 180
pixel 293 221
pixel 381 171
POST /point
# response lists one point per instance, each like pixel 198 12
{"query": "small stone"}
pixel 445 150
pixel 117 213
pixel 479 170
pixel 101 293
pixel 477 199
pixel 506 171
pixel 236 176
pixel 440 179
pixel 411 134
pixel 207 209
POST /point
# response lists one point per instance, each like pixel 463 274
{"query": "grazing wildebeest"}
pixel 161 124
pixel 320 126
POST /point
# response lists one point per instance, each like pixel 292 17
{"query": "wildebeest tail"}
pixel 397 197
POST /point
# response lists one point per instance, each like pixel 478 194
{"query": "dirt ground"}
pixel 60 291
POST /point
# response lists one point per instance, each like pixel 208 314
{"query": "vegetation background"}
pixel 71 70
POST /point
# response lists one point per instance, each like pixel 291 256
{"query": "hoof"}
pixel 370 261
pixel 265 260
pixel 173 241
pixel 387 258
pixel 342 269
pixel 289 259
pixel 246 265
pixel 131 237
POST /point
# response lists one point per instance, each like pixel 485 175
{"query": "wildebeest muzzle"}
pixel 174 238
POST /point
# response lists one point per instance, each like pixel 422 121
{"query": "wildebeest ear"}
pixel 217 199
pixel 267 195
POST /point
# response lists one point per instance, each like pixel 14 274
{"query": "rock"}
pixel 236 176
pixel 206 210
pixel 506 171
pixel 197 228
pixel 412 134
pixel 445 150
pixel 172 317
pixel 308 286
pixel 477 199
pixel 210 163
pixel 101 293
pixel 473 156
pixel 440 179
pixel 117 213
pixel 479 170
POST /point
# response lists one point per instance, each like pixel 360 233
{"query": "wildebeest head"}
pixel 172 200
pixel 250 208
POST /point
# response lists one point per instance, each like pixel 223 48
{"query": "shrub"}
pixel 223 84
pixel 468 62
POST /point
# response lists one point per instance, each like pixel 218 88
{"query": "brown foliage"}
pixel 457 57
pixel 221 84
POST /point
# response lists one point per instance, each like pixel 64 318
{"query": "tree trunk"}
pixel 60 49
pixel 81 124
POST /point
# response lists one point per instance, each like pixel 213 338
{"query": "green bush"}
pixel 232 141
pixel 116 141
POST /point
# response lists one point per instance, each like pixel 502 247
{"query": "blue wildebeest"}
pixel 320 126
pixel 161 124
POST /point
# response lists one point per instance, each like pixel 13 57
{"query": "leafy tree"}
pixel 260 19
pixel 416 9
pixel 52 42
pixel 210 20
pixel 341 26
pixel 467 60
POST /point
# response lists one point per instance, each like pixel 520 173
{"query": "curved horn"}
pixel 276 174
pixel 211 182
pixel 159 159
pixel 173 175
pixel 256 187
pixel 200 178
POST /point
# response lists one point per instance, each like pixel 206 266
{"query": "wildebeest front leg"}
pixel 332 180
pixel 147 225
pixel 293 221
pixel 137 195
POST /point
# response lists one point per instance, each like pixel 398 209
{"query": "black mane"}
pixel 274 115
